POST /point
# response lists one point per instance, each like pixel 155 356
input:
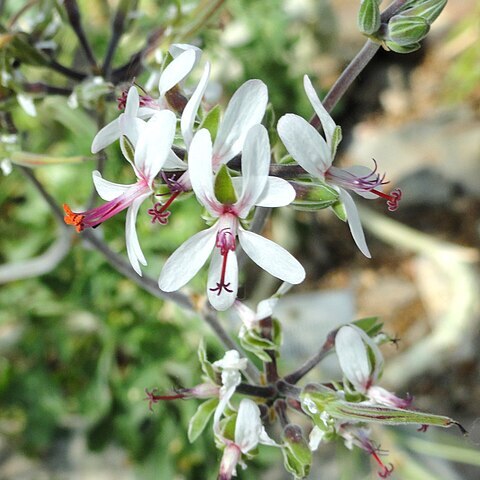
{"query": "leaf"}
pixel 207 367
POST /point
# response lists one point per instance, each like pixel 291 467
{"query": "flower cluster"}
pixel 195 157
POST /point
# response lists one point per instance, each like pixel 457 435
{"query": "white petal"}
pixel 106 136
pixel 277 193
pixel 353 357
pixel 133 102
pixel 255 163
pixel 190 110
pixel 326 120
pixel 146 112
pixel 354 222
pixel 177 49
pixel 135 254
pixel 315 437
pixel 248 425
pixel 130 127
pixel 173 162
pixel 106 189
pixel 154 143
pixel 200 168
pixel 187 260
pixel 304 144
pixel 176 71
pixel 245 109
pixel 271 257
pixel 225 299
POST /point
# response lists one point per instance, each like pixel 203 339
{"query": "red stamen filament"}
pixel 386 469
pixel 222 285
pixel 159 211
pixel 392 200
pixel 152 397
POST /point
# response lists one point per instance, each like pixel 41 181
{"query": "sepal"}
pixel 368 19
pixel 211 121
pixel 311 196
pixel 297 456
pixel 407 30
pixel 223 188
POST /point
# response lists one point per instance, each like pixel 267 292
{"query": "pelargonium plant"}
pixel 178 144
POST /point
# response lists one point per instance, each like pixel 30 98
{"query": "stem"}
pixel 118 27
pixel 40 87
pixel 270 368
pixel 206 15
pixel 147 283
pixel 295 376
pixel 256 390
pixel 74 17
pixel 65 71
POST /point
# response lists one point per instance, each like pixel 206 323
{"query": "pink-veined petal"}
pixel 174 162
pixel 354 223
pixel 326 120
pixel 190 110
pixel 305 144
pixel 176 71
pixel 245 109
pixel 225 299
pixel 106 189
pixel 106 136
pixel 353 357
pixel 135 254
pixel 277 193
pixel 187 260
pixel 248 425
pixel 271 257
pixel 200 170
pixel 133 102
pixel 255 163
pixel 154 144
pixel 146 112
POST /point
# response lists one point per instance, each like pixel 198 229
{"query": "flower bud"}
pixel 368 19
pixel 405 30
pixel 395 47
pixel 297 456
pixel 312 196
pixel 427 9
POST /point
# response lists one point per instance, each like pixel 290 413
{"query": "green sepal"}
pixel 223 189
pixel 428 9
pixel 207 367
pixel 406 30
pixel 339 210
pixel 313 196
pixel 368 19
pixel 395 47
pixel 211 121
pixel 200 419
pixel 319 402
pixel 297 456
pixel 128 149
pixel 370 325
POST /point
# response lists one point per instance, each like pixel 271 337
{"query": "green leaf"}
pixel 211 121
pixel 224 190
pixel 200 419
pixel 370 325
pixel 368 19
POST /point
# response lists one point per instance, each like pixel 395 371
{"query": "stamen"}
pixel 152 397
pixel 423 428
pixel 392 200
pixel 375 452
pixel 159 211
pixel 72 218
pixel 226 243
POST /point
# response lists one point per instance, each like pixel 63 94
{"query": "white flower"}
pixel 152 149
pixel 316 155
pixel 249 432
pixel 362 363
pixel 145 107
pixel 220 239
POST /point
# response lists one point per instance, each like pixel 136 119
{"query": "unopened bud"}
pixel 427 9
pixel 368 19
pixel 297 456
pixel 395 47
pixel 312 196
pixel 405 30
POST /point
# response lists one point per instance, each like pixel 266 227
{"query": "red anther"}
pixel 392 200
pixel 122 100
pixel 423 428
